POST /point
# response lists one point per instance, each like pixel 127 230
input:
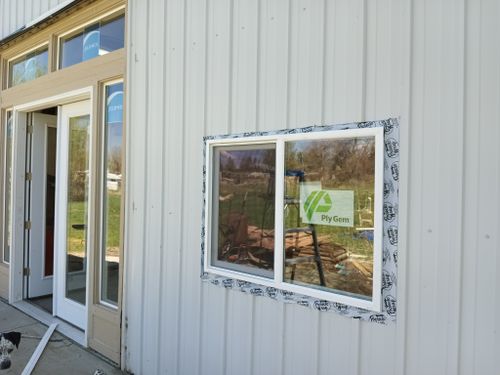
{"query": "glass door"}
pixel 72 212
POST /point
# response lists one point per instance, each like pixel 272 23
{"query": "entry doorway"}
pixel 57 193
pixel 41 152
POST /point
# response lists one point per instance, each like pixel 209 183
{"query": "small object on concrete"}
pixel 39 350
pixel 99 372
pixel 8 341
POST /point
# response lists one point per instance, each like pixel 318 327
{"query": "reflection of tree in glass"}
pixel 115 160
pixel 336 162
pixel 246 198
pixel 78 160
pixel 29 67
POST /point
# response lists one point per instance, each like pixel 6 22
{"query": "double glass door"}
pixel 57 210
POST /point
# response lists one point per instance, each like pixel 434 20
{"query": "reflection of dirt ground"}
pixel 342 271
pixel 112 254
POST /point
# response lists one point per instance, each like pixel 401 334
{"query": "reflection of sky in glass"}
pixel 95 40
pixel 114 116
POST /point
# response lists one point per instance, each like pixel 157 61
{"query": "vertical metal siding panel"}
pixel 268 340
pixel 428 352
pixel 486 340
pixel 338 345
pixel 471 182
pixel 3 23
pixel 28 11
pixel 240 326
pixel 415 195
pixel 191 313
pixel 36 9
pixel 273 83
pixel 244 57
pixel 343 66
pixel 343 92
pixel 136 162
pixel 272 54
pixel 153 244
pixel 173 86
pixel 383 98
pixel 305 92
pixel 245 65
pixel 19 15
pixel 450 191
pixel 7 17
pixel 438 92
pixel 306 63
pixel 213 331
pixel 218 99
pixel 404 52
pixel 301 342
pixel 44 6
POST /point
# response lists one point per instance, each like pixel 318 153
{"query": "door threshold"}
pixel 68 330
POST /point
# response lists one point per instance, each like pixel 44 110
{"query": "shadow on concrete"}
pixel 61 355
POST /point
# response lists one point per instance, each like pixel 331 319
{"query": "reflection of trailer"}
pixel 292 255
pixel 365 214
pixel 114 181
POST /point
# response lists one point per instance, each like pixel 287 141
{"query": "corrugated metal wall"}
pixel 217 66
pixel 14 14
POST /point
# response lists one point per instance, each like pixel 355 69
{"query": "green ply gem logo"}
pixel 318 201
pixel 326 207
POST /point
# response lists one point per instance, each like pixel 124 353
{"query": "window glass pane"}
pixel 328 214
pixel 28 67
pixel 8 187
pixel 78 190
pixel 112 193
pixel 112 34
pixel 243 208
pixel 92 41
pixel 71 50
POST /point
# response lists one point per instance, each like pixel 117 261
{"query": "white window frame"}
pixel 373 304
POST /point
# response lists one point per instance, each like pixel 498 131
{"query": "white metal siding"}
pixel 14 14
pixel 218 66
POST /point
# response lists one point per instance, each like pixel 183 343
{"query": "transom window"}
pixel 29 66
pixel 94 40
pixel 299 212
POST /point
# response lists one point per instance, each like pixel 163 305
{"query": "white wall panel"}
pixel 270 64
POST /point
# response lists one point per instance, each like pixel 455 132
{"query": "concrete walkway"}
pixel 61 355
